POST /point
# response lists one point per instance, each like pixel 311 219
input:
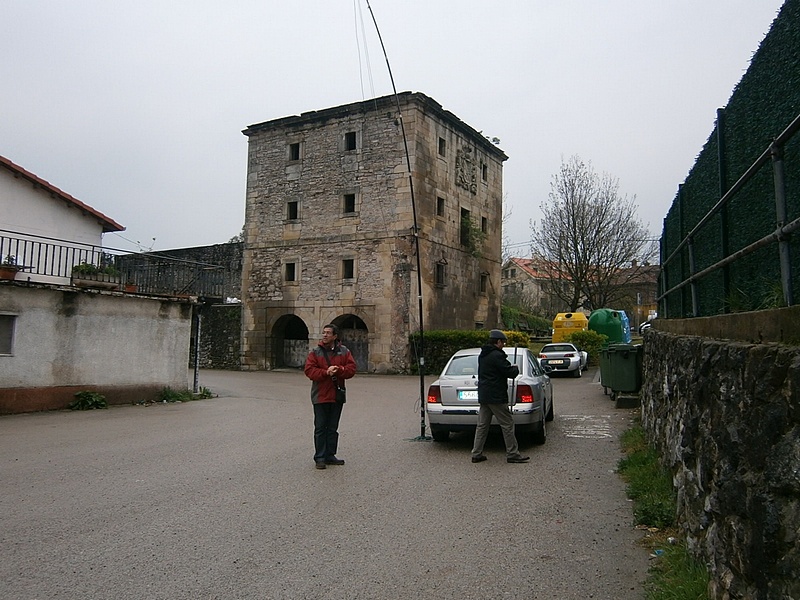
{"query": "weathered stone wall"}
pixel 332 186
pixel 220 337
pixel 725 415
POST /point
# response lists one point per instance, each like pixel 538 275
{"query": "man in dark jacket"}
pixel 494 371
pixel 327 366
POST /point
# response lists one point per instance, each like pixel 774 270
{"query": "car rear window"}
pixel 463 365
pixel 559 348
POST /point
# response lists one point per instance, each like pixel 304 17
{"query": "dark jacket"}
pixel 494 371
pixel 323 388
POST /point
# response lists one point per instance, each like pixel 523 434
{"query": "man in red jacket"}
pixel 327 366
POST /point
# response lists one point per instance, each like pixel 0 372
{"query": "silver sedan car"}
pixel 452 400
pixel 564 356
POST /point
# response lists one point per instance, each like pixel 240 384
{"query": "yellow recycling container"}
pixel 567 323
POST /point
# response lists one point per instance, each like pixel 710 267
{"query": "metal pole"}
pixel 693 286
pixel 513 400
pixel 723 187
pixel 196 383
pixel 415 232
pixel 784 250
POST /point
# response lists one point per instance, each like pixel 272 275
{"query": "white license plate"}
pixel 468 394
pixel 555 361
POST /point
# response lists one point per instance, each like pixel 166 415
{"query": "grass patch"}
pixel 88 400
pixel 674 574
pixel 170 395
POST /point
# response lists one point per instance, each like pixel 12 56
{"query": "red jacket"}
pixel 323 388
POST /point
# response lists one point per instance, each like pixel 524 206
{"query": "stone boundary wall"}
pixel 725 416
pixel 220 337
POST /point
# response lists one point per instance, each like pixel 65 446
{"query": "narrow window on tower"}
pixel 466 223
pixel 292 210
pixel 440 207
pixel 290 272
pixel 441 273
pixel 348 268
pixel 350 140
pixel 349 203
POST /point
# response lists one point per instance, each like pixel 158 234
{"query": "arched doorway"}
pixel 354 334
pixel 290 342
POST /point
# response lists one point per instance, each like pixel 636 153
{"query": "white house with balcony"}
pixel 57 339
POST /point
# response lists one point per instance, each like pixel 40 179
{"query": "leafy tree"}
pixel 590 236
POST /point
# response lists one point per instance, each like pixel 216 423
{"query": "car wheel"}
pixel 550 414
pixel 577 372
pixel 440 435
pixel 540 435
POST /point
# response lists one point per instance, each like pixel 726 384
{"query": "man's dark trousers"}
pixel 326 429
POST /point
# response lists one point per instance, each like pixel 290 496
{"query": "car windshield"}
pixel 463 365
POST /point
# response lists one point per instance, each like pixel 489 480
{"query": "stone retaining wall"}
pixel 725 416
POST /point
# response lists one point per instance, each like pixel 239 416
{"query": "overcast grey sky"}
pixel 137 108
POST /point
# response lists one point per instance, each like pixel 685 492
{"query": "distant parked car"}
pixel 452 401
pixel 564 356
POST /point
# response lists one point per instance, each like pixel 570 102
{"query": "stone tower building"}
pixel 329 231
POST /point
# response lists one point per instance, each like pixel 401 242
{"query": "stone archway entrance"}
pixel 290 342
pixel 354 334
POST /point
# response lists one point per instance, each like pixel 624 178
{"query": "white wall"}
pixel 88 339
pixel 29 209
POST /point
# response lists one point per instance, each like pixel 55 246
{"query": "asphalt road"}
pixel 219 499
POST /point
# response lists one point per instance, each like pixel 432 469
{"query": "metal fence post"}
pixel 723 188
pixel 779 178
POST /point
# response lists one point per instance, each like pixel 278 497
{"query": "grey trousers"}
pixel 506 422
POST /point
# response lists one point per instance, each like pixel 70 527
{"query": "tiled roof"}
pixel 107 223
pixel 534 268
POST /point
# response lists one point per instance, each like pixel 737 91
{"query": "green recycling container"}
pixel 605 370
pixel 613 324
pixel 625 368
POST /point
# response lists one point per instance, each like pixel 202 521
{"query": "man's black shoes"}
pixel 334 461
pixel 320 464
pixel 478 458
pixel 518 459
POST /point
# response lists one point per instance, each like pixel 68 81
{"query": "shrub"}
pixel 590 341
pixel 87 400
pixel 441 344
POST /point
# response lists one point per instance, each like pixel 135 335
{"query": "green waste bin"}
pixel 625 368
pixel 605 370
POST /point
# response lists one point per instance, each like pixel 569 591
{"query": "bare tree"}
pixel 590 236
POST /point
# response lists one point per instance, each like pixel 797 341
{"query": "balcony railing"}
pixel 61 262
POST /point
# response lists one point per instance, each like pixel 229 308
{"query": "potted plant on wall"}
pixel 9 267
pixel 89 275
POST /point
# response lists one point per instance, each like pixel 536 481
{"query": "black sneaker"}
pixel 334 461
pixel 320 464
pixel 478 458
pixel 518 459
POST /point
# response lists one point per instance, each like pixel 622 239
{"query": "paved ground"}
pixel 220 499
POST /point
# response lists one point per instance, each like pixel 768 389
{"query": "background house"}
pixel 329 230
pixel 57 339
pixel 528 284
